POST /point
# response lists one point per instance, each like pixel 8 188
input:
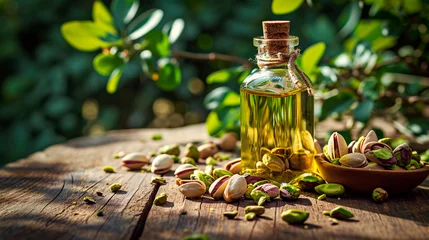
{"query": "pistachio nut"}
pixel 374 166
pixel 207 150
pixel 211 161
pixel 317 146
pixel 250 179
pixel 307 140
pixel 307 181
pixel 185 160
pixel 354 160
pixel 228 141
pixel 379 153
pixel 162 164
pixel 269 188
pixel 337 146
pixel 264 150
pixel 356 147
pixel 259 197
pixel 350 146
pixel 134 160
pixel 250 216
pixel 171 149
pixel 394 168
pixel 403 154
pixel 197 236
pixel 289 192
pixel 387 141
pixel 258 210
pixel 336 161
pixel 191 188
pixel 301 159
pixel 184 171
pixel 219 172
pixel 231 215
pixel 321 197
pixel 209 170
pixel 340 213
pixel 294 216
pixel 330 189
pixel 379 195
pixel 262 182
pixel 160 200
pixel 235 189
pixel 217 188
pixel 157 181
pixel 369 138
pixel 285 176
pixel 273 162
pixel 221 157
pixel 202 176
pixel 115 187
pixel 415 156
pixel 234 166
pixel 192 152
pixel 413 165
pixel 326 154
pixel 249 190
pixel 281 152
pixel 261 166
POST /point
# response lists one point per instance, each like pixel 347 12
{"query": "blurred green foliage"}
pixel 375 61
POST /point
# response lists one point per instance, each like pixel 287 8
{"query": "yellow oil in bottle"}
pixel 277 127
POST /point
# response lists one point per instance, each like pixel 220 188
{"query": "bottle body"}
pixel 277 125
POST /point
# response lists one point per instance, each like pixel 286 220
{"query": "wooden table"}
pixel 37 194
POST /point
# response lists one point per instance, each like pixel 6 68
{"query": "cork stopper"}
pixel 276 30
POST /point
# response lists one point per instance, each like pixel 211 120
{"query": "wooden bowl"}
pixel 364 181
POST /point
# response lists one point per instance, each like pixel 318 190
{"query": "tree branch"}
pixel 408 99
pixel 211 57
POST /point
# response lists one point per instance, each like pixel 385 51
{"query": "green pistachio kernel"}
pixel 160 199
pixel 171 149
pixel 294 216
pixel 100 213
pixel 387 141
pixel 259 197
pixel 108 169
pixel 341 213
pixel 379 195
pixel 211 161
pixel 336 161
pixel 88 199
pixel 219 172
pixel 258 210
pixel 249 190
pixel 230 215
pixel 185 160
pixel 115 187
pixel 158 180
pixel 330 189
pixel 250 216
pixel 197 236
pixel 321 197
pixel 157 136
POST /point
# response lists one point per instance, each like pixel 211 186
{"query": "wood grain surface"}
pixel 37 195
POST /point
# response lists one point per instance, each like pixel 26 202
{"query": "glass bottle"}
pixel 277 115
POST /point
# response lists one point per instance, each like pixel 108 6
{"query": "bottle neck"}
pixel 275 52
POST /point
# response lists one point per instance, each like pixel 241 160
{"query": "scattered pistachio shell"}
pixel 330 189
pixel 294 216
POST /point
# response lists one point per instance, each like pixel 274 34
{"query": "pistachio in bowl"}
pixel 368 163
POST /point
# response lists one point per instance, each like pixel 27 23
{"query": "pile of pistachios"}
pixel 371 153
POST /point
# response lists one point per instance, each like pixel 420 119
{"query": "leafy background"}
pixel 367 59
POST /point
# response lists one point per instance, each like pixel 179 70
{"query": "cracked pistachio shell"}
pixel 202 176
pixel 307 140
pixel 235 189
pixel 354 160
pixel 403 154
pixel 217 188
pixel 289 192
pixel 379 195
pixel 330 189
pixel 370 137
pixel 350 146
pixel 134 160
pixel 259 197
pixel 273 162
pixel 337 146
pixel 228 141
pixel 191 188
pixel 387 141
pixel 294 216
pixel 270 189
pixel 413 165
pixel 356 147
pixel 191 151
pixel 184 171
pixel 207 150
pixel 189 160
pixel 171 149
pixel 162 164
pixel 380 153
pixel 219 172
pixel 234 166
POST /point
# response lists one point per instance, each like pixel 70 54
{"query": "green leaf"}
pixel 285 6
pixel 144 23
pixel 220 120
pixel 112 84
pixel 383 43
pixel 224 75
pixel 169 77
pixel 412 6
pixel 221 96
pixel 362 112
pixel 147 62
pixel 104 64
pixel 123 11
pixel 368 30
pixel 382 153
pixel 84 35
pixel 174 29
pixel 337 104
pixel 213 124
pixel 370 88
pixel 102 16
pixel 312 56
pixel 157 43
pixel 349 18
